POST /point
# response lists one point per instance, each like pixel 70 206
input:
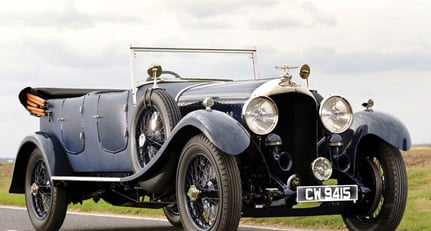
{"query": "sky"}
pixel 358 49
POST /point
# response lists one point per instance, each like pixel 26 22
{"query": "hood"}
pixel 237 92
pixel 221 92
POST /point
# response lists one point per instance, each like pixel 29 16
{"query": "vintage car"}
pixel 210 151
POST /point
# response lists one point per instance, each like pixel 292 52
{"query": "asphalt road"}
pixel 14 219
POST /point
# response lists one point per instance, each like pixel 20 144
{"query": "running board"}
pixel 88 179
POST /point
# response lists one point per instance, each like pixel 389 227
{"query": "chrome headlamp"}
pixel 260 114
pixel 336 114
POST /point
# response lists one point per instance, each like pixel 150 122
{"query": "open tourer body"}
pixel 210 151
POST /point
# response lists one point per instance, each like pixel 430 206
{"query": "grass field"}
pixel 416 217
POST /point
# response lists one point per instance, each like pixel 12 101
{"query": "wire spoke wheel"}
pixel 383 171
pixel 202 192
pixel 46 203
pixel 156 116
pixel 208 193
pixel 150 134
pixel 40 190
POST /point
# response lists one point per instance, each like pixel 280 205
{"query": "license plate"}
pixel 327 193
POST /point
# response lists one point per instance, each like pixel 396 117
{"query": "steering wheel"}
pixel 176 75
pixel 172 73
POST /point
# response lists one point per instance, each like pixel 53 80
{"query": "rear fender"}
pixel 377 124
pixel 53 153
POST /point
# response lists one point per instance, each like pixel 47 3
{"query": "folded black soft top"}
pixel 54 93
pixel 57 93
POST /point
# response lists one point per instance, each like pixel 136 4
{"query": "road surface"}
pixel 15 218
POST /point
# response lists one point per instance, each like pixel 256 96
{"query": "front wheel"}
pixel 46 203
pixel 383 171
pixel 208 187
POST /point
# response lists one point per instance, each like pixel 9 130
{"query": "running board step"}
pixel 88 179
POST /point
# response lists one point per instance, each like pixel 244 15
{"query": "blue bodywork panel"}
pixel 382 125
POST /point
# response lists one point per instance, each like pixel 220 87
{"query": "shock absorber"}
pixel 340 160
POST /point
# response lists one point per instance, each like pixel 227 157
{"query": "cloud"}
pixel 60 54
pixel 61 15
pixel 201 9
pixel 288 15
pixel 64 14
pixel 369 61
pixel 223 14
pixel 256 15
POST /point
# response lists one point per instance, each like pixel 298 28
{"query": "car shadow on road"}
pixel 143 228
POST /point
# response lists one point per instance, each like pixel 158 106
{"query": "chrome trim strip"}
pixel 87 179
pixel 132 56
pixel 192 50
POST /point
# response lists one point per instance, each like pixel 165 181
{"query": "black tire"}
pixel 208 187
pixel 46 203
pixel 172 214
pixel 158 108
pixel 383 171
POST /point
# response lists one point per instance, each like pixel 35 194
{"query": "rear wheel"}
pixel 46 203
pixel 383 171
pixel 208 187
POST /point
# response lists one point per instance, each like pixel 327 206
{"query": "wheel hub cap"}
pixel 193 193
pixel 142 140
pixel 153 121
pixel 34 189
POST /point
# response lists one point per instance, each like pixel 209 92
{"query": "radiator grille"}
pixel 298 128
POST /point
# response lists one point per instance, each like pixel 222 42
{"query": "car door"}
pixel 71 123
pixel 111 119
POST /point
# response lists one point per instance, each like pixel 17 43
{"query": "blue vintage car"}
pixel 210 151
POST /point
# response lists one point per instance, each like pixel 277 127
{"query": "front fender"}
pixel 52 151
pixel 222 130
pixel 385 126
